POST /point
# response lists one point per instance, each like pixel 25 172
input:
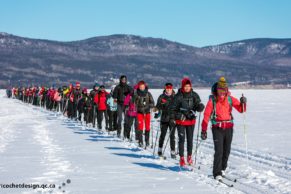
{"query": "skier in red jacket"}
pixel 100 100
pixel 219 111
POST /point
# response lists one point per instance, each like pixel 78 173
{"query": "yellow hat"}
pixel 222 83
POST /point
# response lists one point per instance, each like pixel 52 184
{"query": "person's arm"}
pixel 96 98
pixel 159 105
pixel 173 109
pixel 115 92
pixel 199 107
pixel 240 107
pixel 151 101
pixel 207 114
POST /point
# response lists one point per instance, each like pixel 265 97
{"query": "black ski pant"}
pixel 94 113
pixel 129 121
pixel 88 115
pixel 112 120
pixel 70 109
pixel 185 132
pixel 120 113
pixel 100 118
pixel 222 144
pixel 165 126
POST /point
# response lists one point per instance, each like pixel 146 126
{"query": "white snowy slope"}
pixel 38 146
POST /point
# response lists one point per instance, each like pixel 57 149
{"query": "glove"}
pixel 200 107
pixel 157 115
pixel 190 115
pixel 203 135
pixel 243 100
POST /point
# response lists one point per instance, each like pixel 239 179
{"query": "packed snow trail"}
pixel 38 146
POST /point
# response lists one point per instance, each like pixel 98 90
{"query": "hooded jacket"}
pixel 223 111
pixel 121 91
pixel 143 100
pixel 184 103
pixel 101 100
pixel 163 104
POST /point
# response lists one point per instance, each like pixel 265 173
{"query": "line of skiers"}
pixel 133 106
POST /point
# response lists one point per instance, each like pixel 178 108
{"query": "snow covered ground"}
pixel 38 146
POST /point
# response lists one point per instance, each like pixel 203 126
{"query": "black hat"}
pixel 122 77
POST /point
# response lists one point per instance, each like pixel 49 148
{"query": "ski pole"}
pixel 131 131
pixel 245 132
pixel 152 130
pixel 156 142
pixel 163 153
pixel 197 139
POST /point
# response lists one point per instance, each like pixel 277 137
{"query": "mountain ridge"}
pixel 40 61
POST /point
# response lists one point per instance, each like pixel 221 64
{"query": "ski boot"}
pixel 182 161
pixel 147 138
pixel 173 154
pixel 189 160
pixel 160 152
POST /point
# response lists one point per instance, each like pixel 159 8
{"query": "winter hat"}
pixel 84 91
pixel 78 84
pixel 222 86
pixel 122 77
pixel 186 81
pixel 96 85
pixel 168 86
pixel 141 83
pixel 135 87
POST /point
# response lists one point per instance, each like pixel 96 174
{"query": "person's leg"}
pixel 189 133
pixel 164 127
pixel 99 119
pixel 226 147
pixel 135 127
pixel 218 150
pixel 94 114
pixel 119 118
pixel 147 120
pixel 110 115
pixel 181 134
pixel 172 128
pixel 114 120
pixel 125 126
pixel 91 115
pixel 129 126
pixel 106 119
pixel 140 119
pixel 74 109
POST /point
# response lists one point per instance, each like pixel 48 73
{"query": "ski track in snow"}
pixel 56 166
pixel 266 172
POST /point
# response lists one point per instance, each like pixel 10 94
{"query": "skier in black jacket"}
pixel 186 104
pixel 94 110
pixel 144 102
pixel 163 106
pixel 119 94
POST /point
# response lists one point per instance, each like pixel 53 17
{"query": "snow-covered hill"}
pixel 38 146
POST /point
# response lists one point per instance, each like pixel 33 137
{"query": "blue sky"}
pixel 197 23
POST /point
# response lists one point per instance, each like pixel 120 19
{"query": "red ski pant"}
pixel 144 120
